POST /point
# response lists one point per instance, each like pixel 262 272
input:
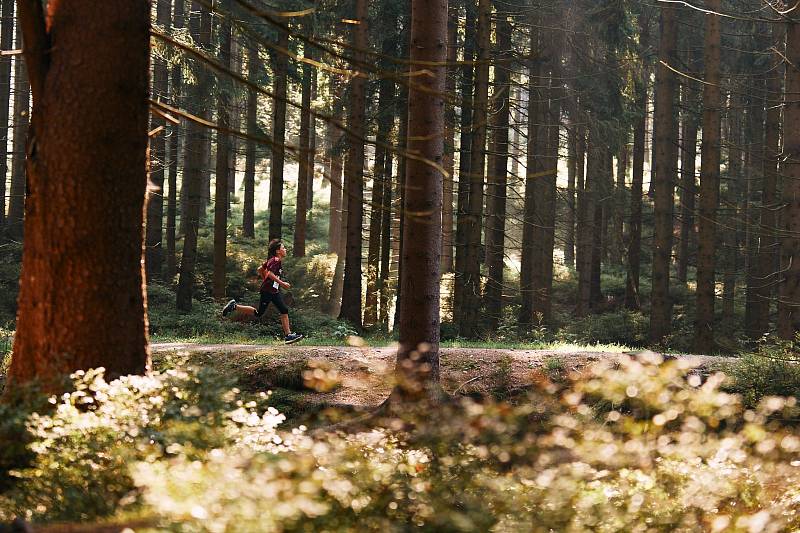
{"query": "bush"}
pixel 626 328
pixel 667 452
pixel 772 371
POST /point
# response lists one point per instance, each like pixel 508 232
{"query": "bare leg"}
pixel 285 324
pixel 243 313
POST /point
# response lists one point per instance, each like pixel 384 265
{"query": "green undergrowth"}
pixel 640 446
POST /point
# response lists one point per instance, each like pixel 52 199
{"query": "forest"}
pixel 399 265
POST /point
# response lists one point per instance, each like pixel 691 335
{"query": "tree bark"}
pixel 333 138
pixel 195 159
pixel 280 89
pixel 664 179
pixel 223 164
pixel 86 165
pixel 418 354
pixel 354 175
pixel 497 180
pixel 709 185
pixel 386 245
pixel 468 323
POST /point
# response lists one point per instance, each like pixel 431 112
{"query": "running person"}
pixel 270 273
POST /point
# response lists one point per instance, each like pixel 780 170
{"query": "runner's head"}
pixel 276 249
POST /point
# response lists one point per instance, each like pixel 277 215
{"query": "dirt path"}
pixel 365 374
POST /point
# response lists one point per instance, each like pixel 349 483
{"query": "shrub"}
pixel 623 327
pixel 774 370
pixel 669 452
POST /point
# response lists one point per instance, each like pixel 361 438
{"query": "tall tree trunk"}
pixel 768 244
pixel 462 202
pixel 223 165
pixel 402 145
pixel 418 353
pixel 586 223
pixel 6 40
pixel 709 184
pixel 305 163
pixel 730 201
pixel 174 148
pixel 158 153
pixel 598 167
pixel 664 184
pixel 379 186
pixel 386 244
pixel 74 269
pixel 529 223
pixel 280 89
pixel 22 99
pixel 497 180
pixel 545 304
pixel 248 206
pixel 333 138
pixel 195 159
pixel 572 168
pixel 472 261
pixel 687 189
pixel 449 139
pixel 354 175
pixel 754 179
pixel 632 298
pixel 618 211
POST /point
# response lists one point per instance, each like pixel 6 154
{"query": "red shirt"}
pixel 273 264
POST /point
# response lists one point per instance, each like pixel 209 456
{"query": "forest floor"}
pixel 363 376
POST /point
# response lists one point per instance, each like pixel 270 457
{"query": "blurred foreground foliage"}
pixel 636 445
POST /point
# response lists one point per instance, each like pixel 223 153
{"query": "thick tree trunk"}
pixel 768 244
pixel 158 153
pixel 87 165
pixel 664 179
pixel 709 185
pixel 248 206
pixel 16 201
pixel 449 139
pixel 468 323
pixel 223 165
pixel 354 175
pixel 195 159
pixel 599 169
pixel 6 40
pixel 174 148
pixel 497 180
pixel 418 354
pixel 687 189
pixel 467 79
pixel 280 89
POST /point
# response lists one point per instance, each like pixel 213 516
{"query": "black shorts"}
pixel 271 297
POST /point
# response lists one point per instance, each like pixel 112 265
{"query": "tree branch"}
pixel 36 43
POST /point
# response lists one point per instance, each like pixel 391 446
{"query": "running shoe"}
pixel 292 338
pixel 229 308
